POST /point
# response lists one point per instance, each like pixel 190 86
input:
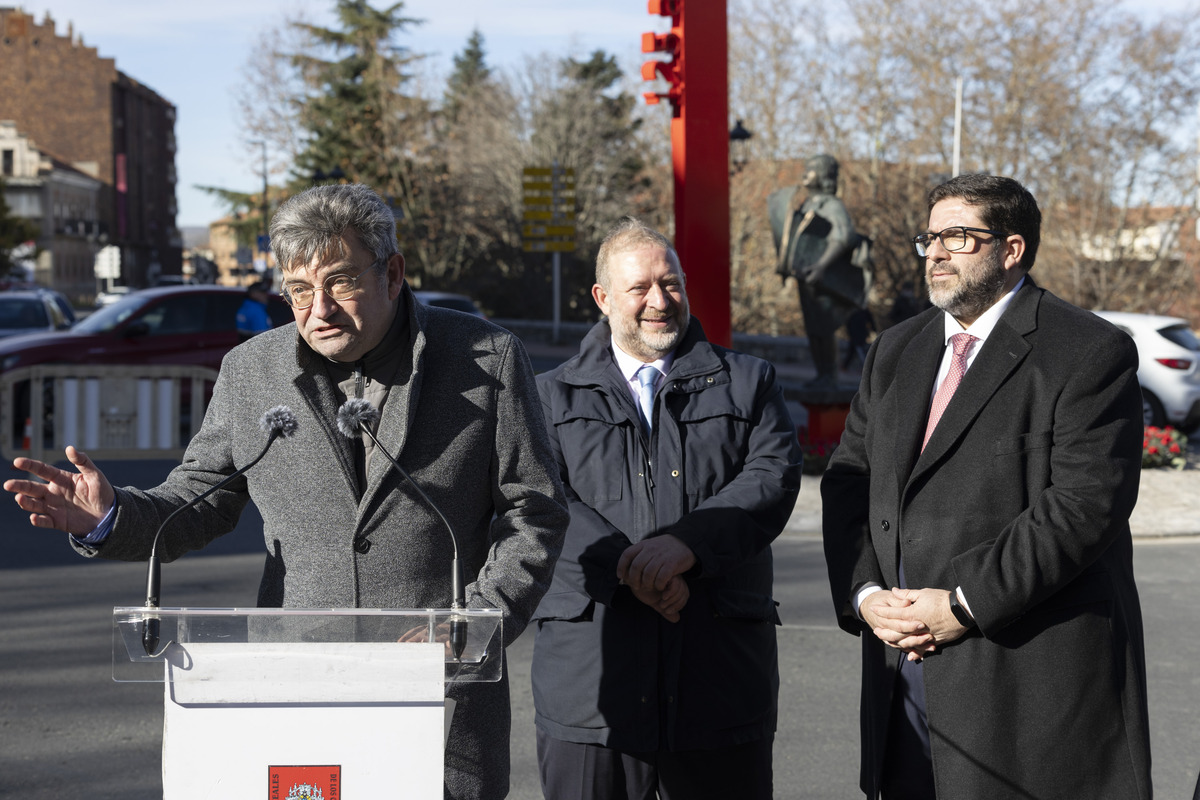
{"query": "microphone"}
pixel 278 422
pixel 357 414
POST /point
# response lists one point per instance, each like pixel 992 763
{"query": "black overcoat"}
pixel 1022 499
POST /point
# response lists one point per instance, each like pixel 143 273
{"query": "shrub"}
pixel 1164 447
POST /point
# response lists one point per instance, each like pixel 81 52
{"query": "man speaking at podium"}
pixel 458 409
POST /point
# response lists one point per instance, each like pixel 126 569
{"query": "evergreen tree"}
pixel 471 75
pixel 354 106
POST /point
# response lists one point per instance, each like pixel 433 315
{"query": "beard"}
pixel 978 287
pixel 650 345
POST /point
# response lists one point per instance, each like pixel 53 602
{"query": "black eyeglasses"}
pixel 339 286
pixel 953 239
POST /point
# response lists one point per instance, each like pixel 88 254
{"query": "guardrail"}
pixel 114 411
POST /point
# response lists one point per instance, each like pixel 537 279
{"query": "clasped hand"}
pixel 653 570
pixel 916 621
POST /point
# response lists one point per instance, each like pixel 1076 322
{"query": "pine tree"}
pixel 471 75
pixel 354 111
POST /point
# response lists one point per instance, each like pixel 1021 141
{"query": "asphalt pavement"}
pixel 67 730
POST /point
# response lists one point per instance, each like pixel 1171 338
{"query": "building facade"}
pixel 63 202
pixel 78 107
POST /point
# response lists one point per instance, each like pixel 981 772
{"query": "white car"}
pixel 1168 367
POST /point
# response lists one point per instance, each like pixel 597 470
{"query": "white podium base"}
pixel 313 721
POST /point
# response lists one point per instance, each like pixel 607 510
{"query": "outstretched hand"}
pixel 74 502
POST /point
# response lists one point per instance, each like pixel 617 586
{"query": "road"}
pixel 67 730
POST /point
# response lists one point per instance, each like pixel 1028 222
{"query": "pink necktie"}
pixel 962 343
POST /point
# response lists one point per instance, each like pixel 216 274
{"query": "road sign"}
pixel 108 262
pixel 544 231
pixel 549 246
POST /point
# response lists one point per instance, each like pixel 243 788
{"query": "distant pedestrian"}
pixel 252 316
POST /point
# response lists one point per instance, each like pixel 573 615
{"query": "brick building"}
pixel 89 115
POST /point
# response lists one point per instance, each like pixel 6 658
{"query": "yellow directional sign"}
pixel 533 187
pixel 541 231
pixel 549 246
pixel 547 216
pixel 547 171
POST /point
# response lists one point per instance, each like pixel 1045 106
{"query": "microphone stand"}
pixel 458 625
pixel 152 628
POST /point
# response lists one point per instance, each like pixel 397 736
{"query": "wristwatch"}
pixel 960 613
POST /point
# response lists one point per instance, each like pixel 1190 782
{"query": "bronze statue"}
pixel 816 243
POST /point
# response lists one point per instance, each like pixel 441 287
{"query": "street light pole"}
pixel 265 207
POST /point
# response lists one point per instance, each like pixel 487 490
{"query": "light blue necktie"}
pixel 647 377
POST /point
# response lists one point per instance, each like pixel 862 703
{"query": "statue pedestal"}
pixel 827 411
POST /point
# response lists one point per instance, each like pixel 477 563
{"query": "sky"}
pixel 193 53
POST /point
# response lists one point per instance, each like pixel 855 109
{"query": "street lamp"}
pixel 737 146
pixel 264 239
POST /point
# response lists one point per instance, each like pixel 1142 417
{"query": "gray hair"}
pixel 312 225
pixel 629 233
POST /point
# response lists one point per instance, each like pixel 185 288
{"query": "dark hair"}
pixel 313 224
pixel 1004 205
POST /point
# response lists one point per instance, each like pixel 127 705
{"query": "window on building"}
pixel 8 163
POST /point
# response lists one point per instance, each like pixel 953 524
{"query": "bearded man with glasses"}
pixel 976 527
pixel 458 408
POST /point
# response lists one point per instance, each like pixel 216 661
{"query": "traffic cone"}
pixel 27 438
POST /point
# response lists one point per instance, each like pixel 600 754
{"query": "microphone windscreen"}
pixel 279 421
pixel 354 413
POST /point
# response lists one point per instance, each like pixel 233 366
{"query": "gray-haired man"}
pixel 459 409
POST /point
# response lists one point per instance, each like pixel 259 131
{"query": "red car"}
pixel 165 325
pixel 187 325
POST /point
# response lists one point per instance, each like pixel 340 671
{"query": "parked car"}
pixel 185 325
pixel 1168 367
pixel 64 305
pixel 28 312
pixel 166 325
pixel 458 302
pixel 112 295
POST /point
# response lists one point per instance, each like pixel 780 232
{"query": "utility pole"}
pixel 264 239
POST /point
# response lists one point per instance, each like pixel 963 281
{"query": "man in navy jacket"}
pixel 655 666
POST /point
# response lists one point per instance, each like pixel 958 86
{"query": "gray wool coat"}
pixel 464 422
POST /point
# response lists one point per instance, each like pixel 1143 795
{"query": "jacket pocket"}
pixel 565 606
pixel 1036 440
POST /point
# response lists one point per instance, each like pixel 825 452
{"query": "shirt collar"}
pixel 630 365
pixel 982 327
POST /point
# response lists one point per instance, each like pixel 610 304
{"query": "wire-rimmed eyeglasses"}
pixel 339 286
pixel 953 239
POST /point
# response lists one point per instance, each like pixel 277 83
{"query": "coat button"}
pixel 710 380
pixel 674 473
pixel 887 526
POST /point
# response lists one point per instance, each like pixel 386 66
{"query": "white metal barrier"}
pixel 109 411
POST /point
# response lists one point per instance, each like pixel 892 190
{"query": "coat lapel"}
pixel 396 417
pixel 915 373
pixel 314 385
pixel 1001 354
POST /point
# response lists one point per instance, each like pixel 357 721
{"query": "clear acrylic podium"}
pixel 318 703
